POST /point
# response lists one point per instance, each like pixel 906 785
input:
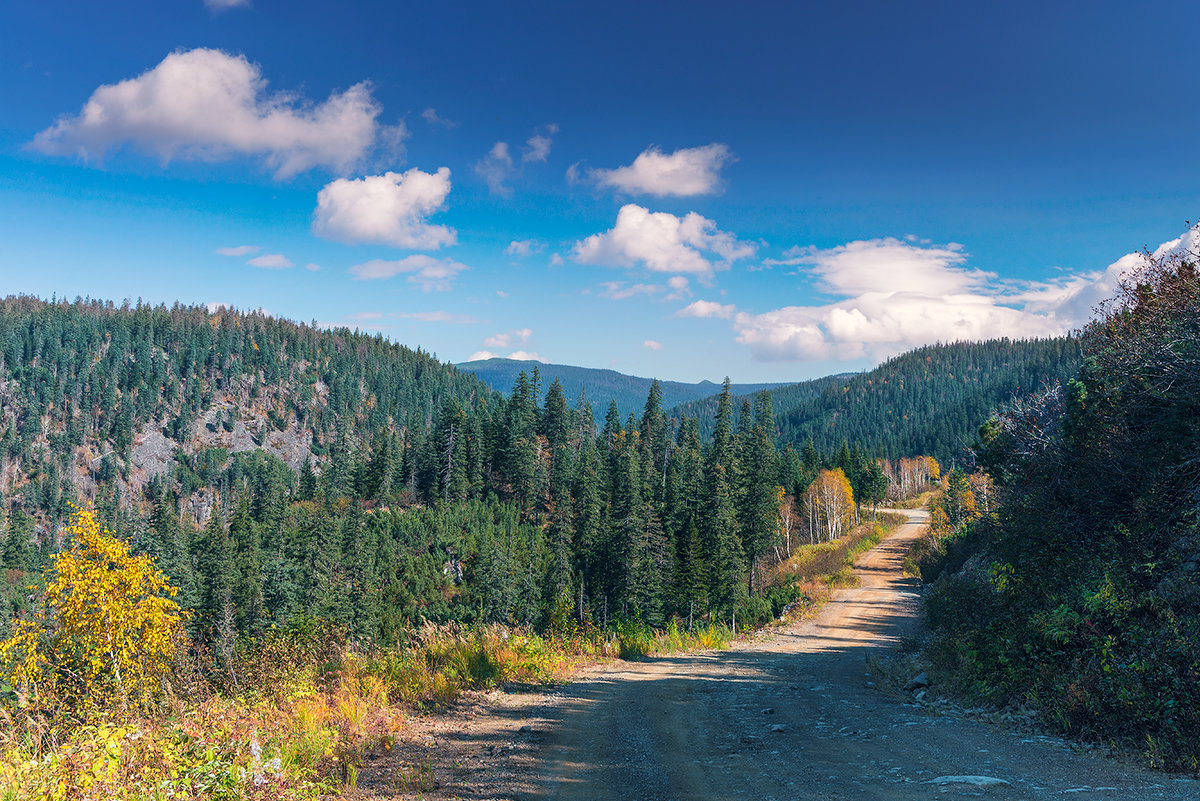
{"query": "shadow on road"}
pixel 794 716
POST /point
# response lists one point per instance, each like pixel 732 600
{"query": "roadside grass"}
pixel 832 563
pixel 296 729
pixel 302 717
pixel 295 712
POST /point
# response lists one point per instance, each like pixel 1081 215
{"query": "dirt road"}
pixel 799 716
pixel 796 716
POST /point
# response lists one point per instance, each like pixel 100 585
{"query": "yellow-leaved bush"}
pixel 106 630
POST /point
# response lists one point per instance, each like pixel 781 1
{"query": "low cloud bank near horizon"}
pixel 894 295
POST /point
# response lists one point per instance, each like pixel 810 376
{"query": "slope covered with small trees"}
pixel 1082 595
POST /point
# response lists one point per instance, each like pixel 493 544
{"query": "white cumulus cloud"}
pixel 680 288
pixel 893 295
pixel 207 105
pixel 684 173
pixel 526 356
pixel 225 5
pixel 651 344
pixel 518 355
pixel 389 209
pixel 662 242
pixel 428 273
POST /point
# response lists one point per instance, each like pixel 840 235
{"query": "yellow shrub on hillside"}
pixel 106 632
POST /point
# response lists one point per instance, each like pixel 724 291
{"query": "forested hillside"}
pixel 1082 596
pixel 274 470
pixel 602 386
pixel 97 395
pixel 928 401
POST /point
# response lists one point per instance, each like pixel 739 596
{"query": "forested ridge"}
pixel 276 470
pixel 601 385
pixel 929 401
pixel 90 390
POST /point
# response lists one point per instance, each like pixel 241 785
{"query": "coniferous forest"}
pixel 275 470
pixel 928 401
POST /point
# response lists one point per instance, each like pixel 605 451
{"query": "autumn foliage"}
pixel 106 631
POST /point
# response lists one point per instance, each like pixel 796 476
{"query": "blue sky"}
pixel 769 191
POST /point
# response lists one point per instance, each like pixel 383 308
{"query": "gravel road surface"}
pixel 801 716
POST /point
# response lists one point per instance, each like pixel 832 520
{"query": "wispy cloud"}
pixel 428 273
pixel 498 166
pixel 271 261
pixel 431 116
pixel 452 318
pixel 619 290
pixel 240 250
pixel 388 321
pixel 495 168
pixel 537 147
pixel 524 248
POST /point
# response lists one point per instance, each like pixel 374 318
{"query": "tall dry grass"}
pixel 280 721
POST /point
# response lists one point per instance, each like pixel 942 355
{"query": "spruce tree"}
pixel 760 496
pixel 655 443
pixel 691 584
pixel 723 548
pixel 19 553
pixel 589 523
pixel 247 591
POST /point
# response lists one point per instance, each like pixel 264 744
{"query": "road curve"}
pixel 798 716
